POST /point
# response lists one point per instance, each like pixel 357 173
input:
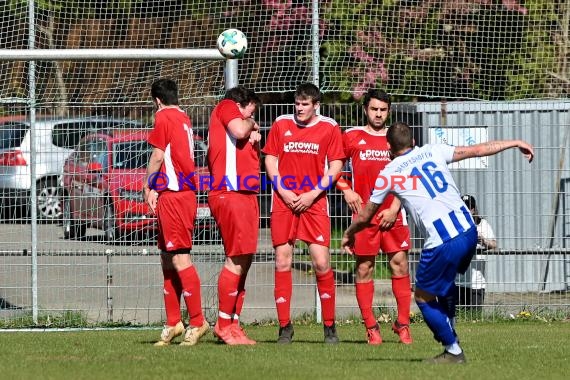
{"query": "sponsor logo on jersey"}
pixel 362 142
pixel 301 147
pixel 374 155
pixel 288 133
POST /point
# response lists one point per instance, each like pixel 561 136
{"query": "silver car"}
pixel 55 139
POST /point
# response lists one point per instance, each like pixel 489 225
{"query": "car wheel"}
pixel 110 223
pixel 48 201
pixel 72 229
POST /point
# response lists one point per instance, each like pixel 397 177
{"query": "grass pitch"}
pixel 501 350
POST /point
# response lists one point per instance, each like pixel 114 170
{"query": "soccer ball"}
pixel 232 43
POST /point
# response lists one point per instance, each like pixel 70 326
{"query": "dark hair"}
pixel 400 137
pixel 373 93
pixel 243 96
pixel 308 91
pixel 166 90
pixel 471 204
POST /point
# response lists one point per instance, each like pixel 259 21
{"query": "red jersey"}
pixel 303 152
pixel 172 133
pixel 233 164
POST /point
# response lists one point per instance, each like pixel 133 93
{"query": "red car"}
pixel 103 181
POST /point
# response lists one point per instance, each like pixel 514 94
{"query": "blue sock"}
pixel 438 322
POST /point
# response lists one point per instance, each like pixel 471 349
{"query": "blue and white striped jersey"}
pixel 422 181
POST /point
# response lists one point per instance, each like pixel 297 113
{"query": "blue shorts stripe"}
pixel 441 230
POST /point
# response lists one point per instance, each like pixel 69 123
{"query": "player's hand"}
pixel 289 197
pixel 386 218
pixel 304 202
pixel 353 200
pixel 254 137
pixel 347 243
pixel 527 150
pixel 151 198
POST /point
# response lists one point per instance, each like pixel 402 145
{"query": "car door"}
pixel 95 186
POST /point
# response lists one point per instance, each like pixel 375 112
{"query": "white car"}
pixel 55 139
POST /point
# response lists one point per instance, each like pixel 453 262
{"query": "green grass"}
pixel 502 350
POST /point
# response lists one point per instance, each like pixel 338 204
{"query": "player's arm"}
pixel 307 199
pixel 492 147
pixel 242 128
pixel 150 195
pixel 271 166
pixel 358 224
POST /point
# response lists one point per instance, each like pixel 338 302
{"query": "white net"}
pixel 453 49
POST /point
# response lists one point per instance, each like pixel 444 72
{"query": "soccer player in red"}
pixel 299 148
pixel 233 161
pixel 172 158
pixel 367 149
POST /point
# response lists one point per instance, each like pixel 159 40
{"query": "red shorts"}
pixel 287 227
pixel 237 217
pixel 176 212
pixel 371 240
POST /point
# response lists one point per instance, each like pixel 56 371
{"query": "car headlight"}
pixel 131 195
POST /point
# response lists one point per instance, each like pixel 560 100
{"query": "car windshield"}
pixel 131 154
pixel 12 135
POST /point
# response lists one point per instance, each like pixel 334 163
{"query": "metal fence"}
pixel 93 280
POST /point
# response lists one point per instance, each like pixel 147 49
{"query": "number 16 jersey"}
pixel 423 182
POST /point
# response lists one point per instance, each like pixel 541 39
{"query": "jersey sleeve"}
pixel 228 111
pixel 444 151
pixel 335 149
pixel 272 144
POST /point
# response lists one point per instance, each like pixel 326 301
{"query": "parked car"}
pixel 55 139
pixel 103 183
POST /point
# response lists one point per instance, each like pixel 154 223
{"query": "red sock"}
pixel 326 288
pixel 228 283
pixel 172 291
pixel 239 300
pixel 364 297
pixel 402 290
pixel 192 295
pixel 282 292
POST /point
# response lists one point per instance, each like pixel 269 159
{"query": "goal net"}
pixel 488 50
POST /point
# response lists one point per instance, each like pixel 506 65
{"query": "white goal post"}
pixel 231 70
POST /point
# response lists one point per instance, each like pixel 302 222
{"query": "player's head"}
pixel 376 105
pixel 165 92
pixel 400 138
pixel 248 101
pixel 307 101
pixel 308 91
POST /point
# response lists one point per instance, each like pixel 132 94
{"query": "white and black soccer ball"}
pixel 232 43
